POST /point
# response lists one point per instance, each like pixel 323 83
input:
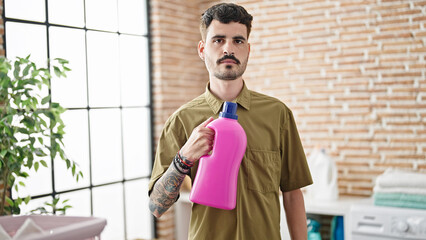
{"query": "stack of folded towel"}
pixel 397 188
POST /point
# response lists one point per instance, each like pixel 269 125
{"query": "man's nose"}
pixel 228 49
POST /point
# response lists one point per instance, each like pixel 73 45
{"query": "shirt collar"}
pixel 243 99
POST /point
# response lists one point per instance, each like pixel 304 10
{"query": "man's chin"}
pixel 227 75
pixel 227 78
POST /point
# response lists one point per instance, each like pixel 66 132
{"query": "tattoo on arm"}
pixel 165 191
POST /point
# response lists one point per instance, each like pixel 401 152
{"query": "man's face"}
pixel 225 50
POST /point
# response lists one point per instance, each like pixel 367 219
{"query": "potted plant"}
pixel 31 128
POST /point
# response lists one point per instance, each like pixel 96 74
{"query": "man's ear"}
pixel 201 49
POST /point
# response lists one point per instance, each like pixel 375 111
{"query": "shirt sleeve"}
pixel 171 140
pixel 295 172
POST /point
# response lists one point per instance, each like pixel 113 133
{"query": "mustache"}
pixel 228 57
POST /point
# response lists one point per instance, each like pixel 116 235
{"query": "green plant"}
pixel 31 128
pixel 53 208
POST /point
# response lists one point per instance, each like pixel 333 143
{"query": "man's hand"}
pixel 199 143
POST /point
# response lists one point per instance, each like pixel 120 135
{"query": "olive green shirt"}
pixel 274 160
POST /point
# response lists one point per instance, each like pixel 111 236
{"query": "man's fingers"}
pixel 204 124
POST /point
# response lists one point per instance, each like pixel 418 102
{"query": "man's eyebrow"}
pixel 218 36
pixel 239 37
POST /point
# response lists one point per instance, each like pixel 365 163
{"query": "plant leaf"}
pixel 17 70
pixel 57 71
pixel 27 199
pixel 26 70
pixel 36 165
pixel 23 130
pixel 3 153
pixel 30 163
pixel 43 163
pixel 56 105
pixel 24 174
pixel 39 152
pixel 61 60
pixel 45 100
pixel 9 201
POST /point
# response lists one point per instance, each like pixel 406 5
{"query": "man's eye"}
pixel 239 41
pixel 218 40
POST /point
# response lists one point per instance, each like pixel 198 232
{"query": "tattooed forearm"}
pixel 165 191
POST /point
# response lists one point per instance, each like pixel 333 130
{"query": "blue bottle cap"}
pixel 229 110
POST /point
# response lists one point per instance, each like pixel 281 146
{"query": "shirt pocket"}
pixel 263 168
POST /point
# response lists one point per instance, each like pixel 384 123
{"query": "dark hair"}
pixel 225 13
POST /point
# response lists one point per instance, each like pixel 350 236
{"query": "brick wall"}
pixel 178 73
pixel 353 72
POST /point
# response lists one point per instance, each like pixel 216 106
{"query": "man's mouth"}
pixel 228 59
pixel 228 62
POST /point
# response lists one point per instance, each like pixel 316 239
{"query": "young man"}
pixel 274 158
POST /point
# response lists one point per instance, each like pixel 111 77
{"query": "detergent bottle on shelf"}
pixel 215 183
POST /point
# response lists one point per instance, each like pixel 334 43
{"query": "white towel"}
pixel 407 190
pixel 4 235
pixel 401 179
pixel 28 230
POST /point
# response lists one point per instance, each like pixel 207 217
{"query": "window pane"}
pixel 102 15
pixel 72 90
pixel 80 202
pixel 108 203
pixel 76 141
pixel 134 70
pixel 26 9
pixel 132 16
pixel 37 183
pixel 24 39
pixel 27 39
pixel 138 217
pixel 104 84
pixel 66 12
pixel 136 136
pixel 105 140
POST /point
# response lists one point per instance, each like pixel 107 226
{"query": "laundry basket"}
pixel 57 227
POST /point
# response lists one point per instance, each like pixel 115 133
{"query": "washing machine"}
pixel 369 222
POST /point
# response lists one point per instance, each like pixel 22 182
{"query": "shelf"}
pixel 338 207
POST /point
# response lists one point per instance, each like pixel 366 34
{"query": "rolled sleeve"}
pixel 295 170
pixel 171 140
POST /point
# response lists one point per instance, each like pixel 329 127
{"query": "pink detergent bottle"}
pixel 215 184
